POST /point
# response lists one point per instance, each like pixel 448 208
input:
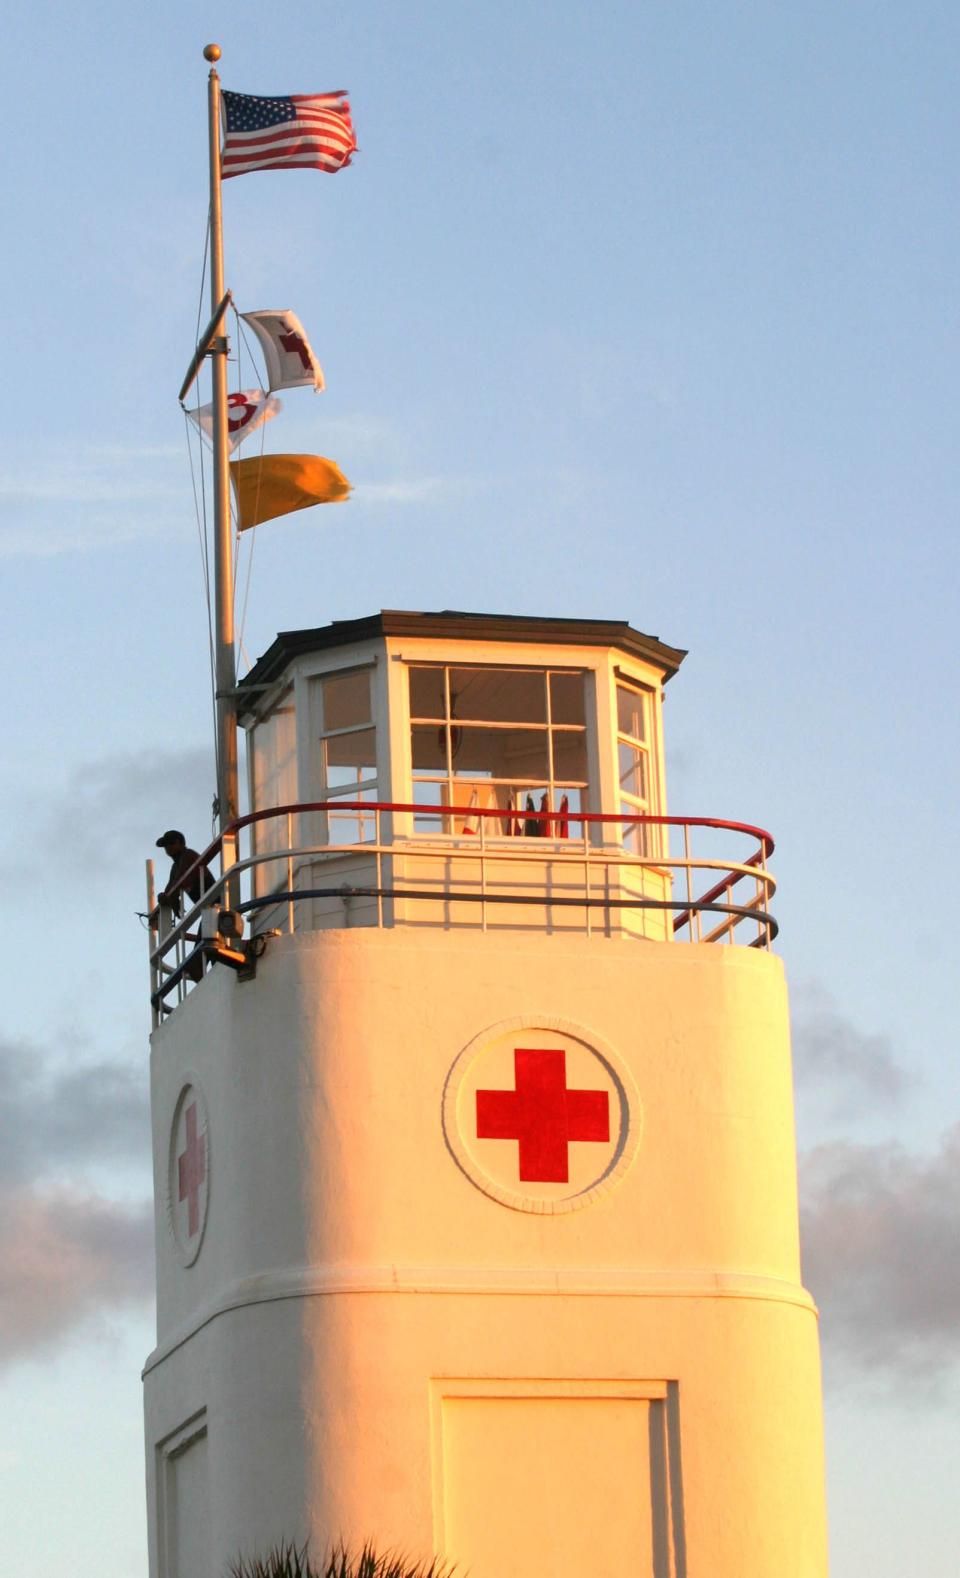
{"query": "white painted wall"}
pixel 371 1333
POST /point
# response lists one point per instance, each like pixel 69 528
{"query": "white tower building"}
pixel 475 1192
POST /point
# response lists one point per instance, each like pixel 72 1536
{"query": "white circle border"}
pixel 187 1253
pixel 631 1107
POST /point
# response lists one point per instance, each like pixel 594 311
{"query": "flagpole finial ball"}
pixel 212 52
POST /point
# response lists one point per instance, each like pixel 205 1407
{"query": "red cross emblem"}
pixel 293 343
pixel 192 1170
pixel 542 1114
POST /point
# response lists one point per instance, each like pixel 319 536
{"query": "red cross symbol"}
pixel 294 343
pixel 543 1114
pixel 192 1170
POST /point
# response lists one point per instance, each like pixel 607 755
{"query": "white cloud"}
pixel 399 492
pixel 87 498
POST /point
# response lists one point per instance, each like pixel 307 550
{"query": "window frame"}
pixel 270 835
pixel 446 809
pixel 647 837
pixel 364 788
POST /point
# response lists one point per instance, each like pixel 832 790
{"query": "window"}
pixel 348 754
pixel 273 752
pixel 634 766
pixel 498 739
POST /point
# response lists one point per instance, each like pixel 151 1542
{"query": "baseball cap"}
pixel 168 836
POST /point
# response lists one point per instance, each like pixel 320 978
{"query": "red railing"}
pixel 633 891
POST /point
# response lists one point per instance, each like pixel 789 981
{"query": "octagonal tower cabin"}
pixel 475 1187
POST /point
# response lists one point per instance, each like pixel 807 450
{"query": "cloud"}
pixel 90 497
pixel 67 1253
pixel 66 1256
pixel 841 1072
pixel 110 811
pixel 881 1244
pixel 57 1118
pixel 410 492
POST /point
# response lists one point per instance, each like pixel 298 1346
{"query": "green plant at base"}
pixel 289 1561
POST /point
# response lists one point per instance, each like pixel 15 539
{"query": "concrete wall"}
pixel 387 1332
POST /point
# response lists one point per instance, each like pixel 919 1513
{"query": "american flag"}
pixel 304 131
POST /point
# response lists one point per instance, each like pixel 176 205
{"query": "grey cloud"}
pixel 881 1240
pixel 109 813
pixel 120 801
pixel 840 1070
pixel 55 1120
pixel 66 1252
pixel 66 1257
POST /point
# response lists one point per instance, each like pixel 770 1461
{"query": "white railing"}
pixel 583 881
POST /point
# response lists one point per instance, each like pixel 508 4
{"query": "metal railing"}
pixel 585 881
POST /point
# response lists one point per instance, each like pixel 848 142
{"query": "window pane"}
pixel 633 836
pixel 350 758
pixel 633 771
pixel 499 695
pixel 501 753
pixel 346 700
pixel 274 746
pixel 430 795
pixel 352 827
pixel 631 712
pixel 566 698
pixel 574 799
pixel 428 744
pixel 570 757
pixel 426 693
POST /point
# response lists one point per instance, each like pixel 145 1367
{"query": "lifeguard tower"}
pixel 476 1207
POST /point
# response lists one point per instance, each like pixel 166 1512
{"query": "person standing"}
pixel 182 857
pixel 196 884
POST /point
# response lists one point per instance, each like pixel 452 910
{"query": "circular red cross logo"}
pixel 543 1114
pixel 540 1117
pixel 189 1172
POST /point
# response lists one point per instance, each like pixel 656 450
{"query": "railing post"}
pixel 291 917
pixel 643 880
pixel 378 836
pixel 228 859
pixel 483 871
pixel 152 943
pixel 686 856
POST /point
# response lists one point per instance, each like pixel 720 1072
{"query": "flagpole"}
pixel 225 659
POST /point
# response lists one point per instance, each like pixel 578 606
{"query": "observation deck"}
pixel 464 772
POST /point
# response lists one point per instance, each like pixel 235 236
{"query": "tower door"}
pixel 570 1484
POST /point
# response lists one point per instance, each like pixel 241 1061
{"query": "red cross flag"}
pixel 287 352
pixel 247 409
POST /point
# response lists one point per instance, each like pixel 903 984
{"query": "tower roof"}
pixel 453 624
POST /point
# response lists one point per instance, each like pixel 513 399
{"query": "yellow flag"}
pixel 270 485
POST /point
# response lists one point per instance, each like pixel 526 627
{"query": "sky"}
pixel 626 311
